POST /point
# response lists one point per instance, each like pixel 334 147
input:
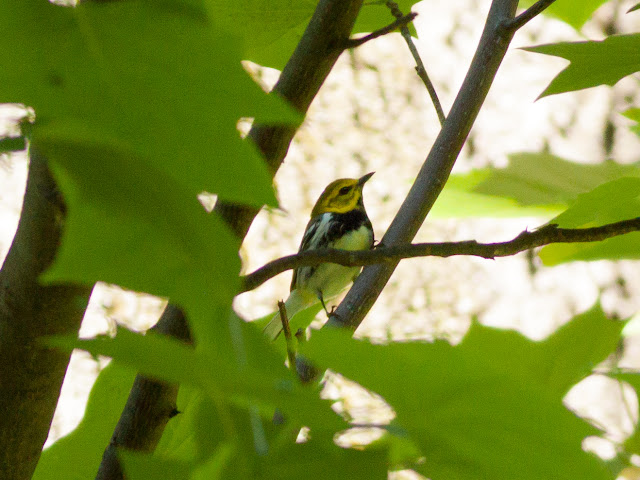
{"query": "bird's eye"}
pixel 344 190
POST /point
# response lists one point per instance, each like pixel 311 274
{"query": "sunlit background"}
pixel 374 114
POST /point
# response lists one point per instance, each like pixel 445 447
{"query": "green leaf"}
pixel 12 144
pixel 213 468
pixel 376 15
pixel 492 404
pixel 139 466
pixel 631 444
pixel 320 457
pixel 533 184
pixel 132 225
pixel 616 248
pixel 78 455
pixel 302 320
pixel 611 202
pixel 203 428
pixel 561 360
pixel 137 104
pixel 634 8
pixel 152 354
pixel 544 179
pixel 572 352
pixel 270 29
pixel 593 63
pixel 633 114
pixel 283 459
pixel 575 14
pixel 250 377
pixel 455 203
pixel 292 461
pixel 144 75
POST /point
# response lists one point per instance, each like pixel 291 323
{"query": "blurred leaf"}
pixel 557 363
pixel 616 248
pixel 608 203
pixel 154 355
pixel 593 63
pixel 12 144
pixel 533 184
pixel 140 466
pixel 82 449
pixel 491 404
pixel 544 179
pixel 611 202
pixel 631 444
pixel 137 120
pixel 271 29
pixel 141 74
pixel 303 319
pixel 575 349
pixel 320 457
pixel 454 203
pixel 634 8
pixel 203 428
pixel 250 379
pixel 574 13
pixel 130 224
pixel 291 461
pixel 633 114
pixel 214 466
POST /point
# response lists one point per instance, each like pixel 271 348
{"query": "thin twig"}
pixel 529 14
pixel 291 352
pixel 420 69
pixel 401 22
pixel 525 241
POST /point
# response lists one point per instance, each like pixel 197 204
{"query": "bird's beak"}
pixel 363 180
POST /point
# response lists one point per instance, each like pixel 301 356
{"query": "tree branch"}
pixel 525 241
pixel 150 406
pixel 437 167
pixel 31 375
pixel 420 68
pixel 401 22
pixel 529 14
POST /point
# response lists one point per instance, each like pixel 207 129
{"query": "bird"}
pixel 338 220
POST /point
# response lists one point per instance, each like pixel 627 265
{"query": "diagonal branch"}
pixel 525 241
pixel 401 22
pixel 437 167
pixel 529 14
pixel 150 406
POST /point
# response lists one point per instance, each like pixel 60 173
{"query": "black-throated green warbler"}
pixel 338 220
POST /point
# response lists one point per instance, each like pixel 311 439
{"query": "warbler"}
pixel 338 220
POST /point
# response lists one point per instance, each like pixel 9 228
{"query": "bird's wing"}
pixel 310 231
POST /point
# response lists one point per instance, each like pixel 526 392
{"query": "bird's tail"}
pixel 297 301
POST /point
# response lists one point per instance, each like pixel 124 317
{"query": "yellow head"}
pixel 341 196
